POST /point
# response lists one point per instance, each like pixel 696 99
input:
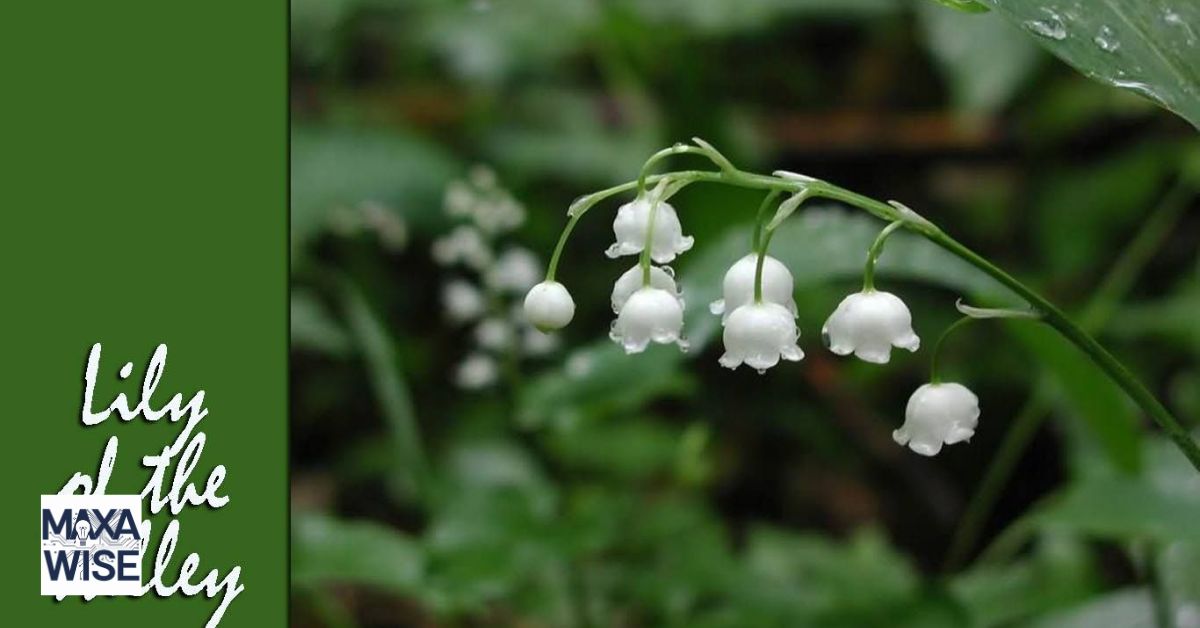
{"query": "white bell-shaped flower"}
pixel 938 414
pixel 649 315
pixel 631 224
pixel 759 335
pixel 738 286
pixel 868 324
pixel 631 281
pixel 548 306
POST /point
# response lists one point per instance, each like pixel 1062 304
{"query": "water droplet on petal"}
pixel 761 371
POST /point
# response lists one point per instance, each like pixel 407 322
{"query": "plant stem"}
pixel 1050 313
pixel 552 269
pixel 1104 300
pixel 644 258
pixel 760 217
pixel 934 378
pixel 758 267
pixel 873 254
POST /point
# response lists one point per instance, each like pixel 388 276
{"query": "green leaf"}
pixel 1084 392
pixel 862 577
pixel 1127 608
pixel 339 167
pixel 966 6
pixel 391 391
pixel 1084 213
pixel 1148 47
pixel 1172 318
pixel 313 328
pixel 1162 505
pixel 1179 573
pixel 984 58
pixel 327 550
pixel 1059 572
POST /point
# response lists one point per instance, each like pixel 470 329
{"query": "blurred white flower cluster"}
pixel 491 278
pixel 371 217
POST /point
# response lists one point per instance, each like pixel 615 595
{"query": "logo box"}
pixel 91 544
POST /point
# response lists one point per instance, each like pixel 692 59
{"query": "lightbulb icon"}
pixel 83 528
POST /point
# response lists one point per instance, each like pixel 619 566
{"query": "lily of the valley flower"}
pixel 549 306
pixel 759 335
pixel 738 286
pixel 649 315
pixel 631 281
pixel 938 414
pixel 632 223
pixel 868 324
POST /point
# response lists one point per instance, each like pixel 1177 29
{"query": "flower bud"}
pixel 759 335
pixel 738 286
pixel 649 314
pixel 868 324
pixel 938 414
pixel 631 224
pixel 549 306
pixel 631 281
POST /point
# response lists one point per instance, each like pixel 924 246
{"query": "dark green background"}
pixel 143 194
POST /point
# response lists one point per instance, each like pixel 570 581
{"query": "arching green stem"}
pixel 891 212
pixel 562 244
pixel 681 149
pixel 760 218
pixel 758 267
pixel 934 377
pixel 873 254
pixel 644 259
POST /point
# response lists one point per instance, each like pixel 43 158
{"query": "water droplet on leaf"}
pixel 1050 27
pixel 1106 40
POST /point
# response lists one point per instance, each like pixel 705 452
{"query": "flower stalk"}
pixel 892 212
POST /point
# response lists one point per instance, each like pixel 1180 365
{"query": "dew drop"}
pixel 761 371
pixel 684 344
pixel 1106 40
pixel 1051 27
pixel 1139 87
pixel 576 204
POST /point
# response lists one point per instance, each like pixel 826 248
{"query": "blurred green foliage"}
pixel 446 473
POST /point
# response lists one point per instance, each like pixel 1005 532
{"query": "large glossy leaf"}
pixel 338 167
pixel 328 550
pixel 1149 47
pixel 1127 608
pixel 1060 572
pixel 1161 505
pixel 984 59
pixel 1084 392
